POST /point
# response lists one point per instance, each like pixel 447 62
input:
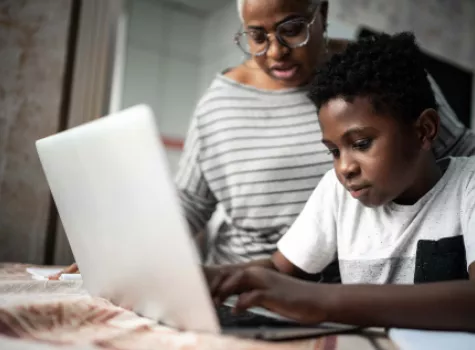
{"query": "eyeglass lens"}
pixel 291 34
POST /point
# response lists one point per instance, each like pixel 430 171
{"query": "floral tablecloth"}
pixel 61 315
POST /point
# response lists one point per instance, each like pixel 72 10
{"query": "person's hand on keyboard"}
pixel 216 275
pixel 287 296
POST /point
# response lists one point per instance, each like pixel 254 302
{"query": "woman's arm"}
pixel 197 199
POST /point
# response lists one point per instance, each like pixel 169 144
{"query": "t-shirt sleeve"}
pixel 468 219
pixel 311 243
pixel 197 200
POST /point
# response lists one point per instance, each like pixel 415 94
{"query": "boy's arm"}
pixel 441 306
pixel 307 247
pixel 216 275
pixel 448 305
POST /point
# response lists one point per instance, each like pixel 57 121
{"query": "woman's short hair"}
pixel 240 4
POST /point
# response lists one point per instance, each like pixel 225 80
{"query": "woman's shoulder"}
pixel 227 90
pixel 221 87
pixel 242 74
pixel 233 84
pixel 229 81
pixel 238 74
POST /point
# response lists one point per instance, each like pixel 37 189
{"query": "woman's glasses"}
pixel 293 33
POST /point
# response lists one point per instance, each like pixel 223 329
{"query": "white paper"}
pixel 421 340
pixel 42 273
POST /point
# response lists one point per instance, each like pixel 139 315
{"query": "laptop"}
pixel 116 198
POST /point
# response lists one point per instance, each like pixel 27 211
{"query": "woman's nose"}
pixel 276 50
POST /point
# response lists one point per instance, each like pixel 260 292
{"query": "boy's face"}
pixel 376 157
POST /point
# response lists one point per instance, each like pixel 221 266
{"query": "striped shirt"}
pixel 258 154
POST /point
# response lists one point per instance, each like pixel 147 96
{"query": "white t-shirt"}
pixel 378 245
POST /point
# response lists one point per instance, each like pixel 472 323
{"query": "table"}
pixel 61 315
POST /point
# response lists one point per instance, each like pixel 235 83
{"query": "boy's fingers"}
pixel 220 294
pixel 265 299
pixel 216 282
pixel 236 283
pixel 250 299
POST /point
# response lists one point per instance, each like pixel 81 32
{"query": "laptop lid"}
pixel 111 184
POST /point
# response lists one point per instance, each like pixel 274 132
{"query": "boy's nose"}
pixel 347 167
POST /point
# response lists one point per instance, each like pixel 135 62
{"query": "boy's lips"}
pixel 358 191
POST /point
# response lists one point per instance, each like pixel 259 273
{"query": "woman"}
pixel 254 145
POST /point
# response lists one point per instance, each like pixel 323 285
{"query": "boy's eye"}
pixel 362 145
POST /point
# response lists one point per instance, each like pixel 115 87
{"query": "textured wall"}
pixel 33 42
pixel 444 27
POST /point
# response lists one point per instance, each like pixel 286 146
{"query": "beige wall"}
pixel 91 83
pixel 33 45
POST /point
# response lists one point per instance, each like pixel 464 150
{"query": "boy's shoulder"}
pixel 459 176
pixel 330 189
pixel 329 181
pixel 462 168
pixel 465 162
pixel 466 168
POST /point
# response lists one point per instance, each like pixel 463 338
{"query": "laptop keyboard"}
pixel 248 319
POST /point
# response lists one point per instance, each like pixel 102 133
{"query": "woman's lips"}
pixel 285 73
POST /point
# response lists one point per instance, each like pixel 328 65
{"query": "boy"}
pixel 389 211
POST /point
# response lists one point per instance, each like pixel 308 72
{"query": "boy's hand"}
pixel 216 275
pixel 287 296
pixel 70 269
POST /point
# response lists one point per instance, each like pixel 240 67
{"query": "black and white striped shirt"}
pixel 258 153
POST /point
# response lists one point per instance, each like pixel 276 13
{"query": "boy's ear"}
pixel 427 128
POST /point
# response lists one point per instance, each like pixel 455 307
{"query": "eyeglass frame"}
pixel 239 34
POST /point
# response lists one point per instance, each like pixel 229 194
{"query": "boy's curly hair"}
pixel 389 70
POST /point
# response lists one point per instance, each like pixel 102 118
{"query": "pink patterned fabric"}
pixel 57 314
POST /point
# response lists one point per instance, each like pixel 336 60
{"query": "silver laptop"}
pixel 116 199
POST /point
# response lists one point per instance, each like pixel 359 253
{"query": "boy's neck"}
pixel 430 173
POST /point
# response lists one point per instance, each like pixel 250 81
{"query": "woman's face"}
pixel 291 67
